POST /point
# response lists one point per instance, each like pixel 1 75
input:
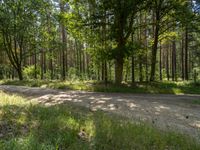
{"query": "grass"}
pixel 153 88
pixel 197 102
pixel 27 126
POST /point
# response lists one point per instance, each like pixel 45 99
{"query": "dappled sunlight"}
pixel 132 105
pixel 109 107
pixel 98 102
pixel 106 98
pixel 112 107
pixel 179 116
pixel 196 124
pixel 164 111
pixel 92 98
pixel 161 107
pixel 177 91
pixel 121 100
pixel 65 127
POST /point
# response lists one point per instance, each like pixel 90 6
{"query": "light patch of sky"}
pixel 57 5
pixel 196 6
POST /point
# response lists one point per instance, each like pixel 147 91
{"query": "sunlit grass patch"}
pixel 11 99
pixel 165 87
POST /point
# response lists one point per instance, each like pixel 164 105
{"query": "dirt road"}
pixel 173 112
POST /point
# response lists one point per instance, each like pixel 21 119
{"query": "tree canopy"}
pixel 109 40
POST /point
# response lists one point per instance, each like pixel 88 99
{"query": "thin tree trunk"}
pixel 35 65
pixel 186 54
pixel 160 62
pixel 63 33
pixel 182 59
pixel 167 64
pixel 132 64
pixel 42 65
pixel 106 73
pixel 174 61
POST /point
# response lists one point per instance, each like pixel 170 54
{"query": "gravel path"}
pixel 173 112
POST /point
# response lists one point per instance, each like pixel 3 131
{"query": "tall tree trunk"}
pixel 133 69
pixel 80 59
pixel 42 64
pixel 140 35
pixel 146 47
pixel 35 65
pixel 155 46
pixel 119 61
pixel 174 60
pixel 106 73
pixel 160 62
pixel 103 71
pixel 140 69
pixel 186 54
pixel 132 64
pixel 83 63
pixel 182 59
pixel 64 42
pixel 167 64
pixel 49 47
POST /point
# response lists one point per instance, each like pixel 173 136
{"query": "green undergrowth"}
pixel 197 102
pixel 28 126
pixel 151 87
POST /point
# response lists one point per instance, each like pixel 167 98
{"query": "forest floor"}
pixel 180 113
pixel 164 87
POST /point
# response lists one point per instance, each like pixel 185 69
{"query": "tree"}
pixel 123 13
pixel 16 22
pixel 161 9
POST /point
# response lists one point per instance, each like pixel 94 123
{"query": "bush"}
pixel 72 73
pixel 29 71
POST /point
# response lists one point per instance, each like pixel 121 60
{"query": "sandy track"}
pixel 173 112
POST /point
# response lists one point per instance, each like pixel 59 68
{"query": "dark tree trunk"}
pixel 132 64
pixel 63 56
pixel 19 72
pixel 140 69
pixel 119 61
pixel 119 70
pixel 64 42
pixel 80 59
pixel 186 54
pixel 35 65
pixel 160 62
pixel 51 65
pixel 98 73
pixel 146 46
pixel 155 47
pixel 146 69
pixel 182 59
pixel 42 65
pixel 174 60
pixel 106 73
pixel 133 69
pixel 102 71
pixel 167 64
pixel 83 62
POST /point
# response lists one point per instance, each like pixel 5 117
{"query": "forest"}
pixel 130 41
pixel 99 74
